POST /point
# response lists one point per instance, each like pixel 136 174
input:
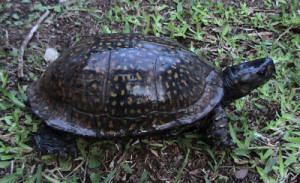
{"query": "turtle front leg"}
pixel 54 142
pixel 218 131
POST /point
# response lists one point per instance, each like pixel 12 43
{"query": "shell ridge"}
pixel 104 92
pixel 155 82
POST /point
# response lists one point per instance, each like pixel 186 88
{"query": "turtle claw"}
pixel 226 143
pixel 218 131
pixel 215 139
pixel 51 142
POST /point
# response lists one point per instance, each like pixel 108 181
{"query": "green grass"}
pixel 264 125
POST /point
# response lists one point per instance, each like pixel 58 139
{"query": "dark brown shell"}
pixel 125 85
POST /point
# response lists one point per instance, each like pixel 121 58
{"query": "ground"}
pixel 264 125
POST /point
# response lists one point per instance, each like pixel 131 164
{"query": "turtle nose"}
pixel 267 69
pixel 269 62
pixel 270 67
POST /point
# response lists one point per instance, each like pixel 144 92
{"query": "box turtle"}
pixel 128 85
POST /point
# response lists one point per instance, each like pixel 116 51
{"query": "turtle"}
pixel 113 86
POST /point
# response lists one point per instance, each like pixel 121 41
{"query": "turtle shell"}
pixel 125 85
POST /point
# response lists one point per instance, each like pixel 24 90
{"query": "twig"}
pixel 281 35
pixel 266 10
pixel 261 34
pixel 26 41
pixel 12 166
pixel 85 171
pixel 6 38
pixel 76 168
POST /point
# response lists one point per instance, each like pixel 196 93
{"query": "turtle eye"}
pixel 245 78
pixel 261 73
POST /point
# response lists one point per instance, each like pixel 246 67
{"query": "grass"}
pixel 264 125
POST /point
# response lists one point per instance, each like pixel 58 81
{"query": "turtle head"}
pixel 241 79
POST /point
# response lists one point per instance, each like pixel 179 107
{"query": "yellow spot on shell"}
pixel 167 85
pixel 129 100
pixel 169 94
pixel 113 94
pixel 138 76
pixel 184 82
pixel 181 97
pixel 128 87
pixel 113 103
pixel 175 75
pixel 94 86
pixel 116 78
pixel 122 92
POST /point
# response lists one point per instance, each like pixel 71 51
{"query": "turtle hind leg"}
pixel 218 131
pixel 54 142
